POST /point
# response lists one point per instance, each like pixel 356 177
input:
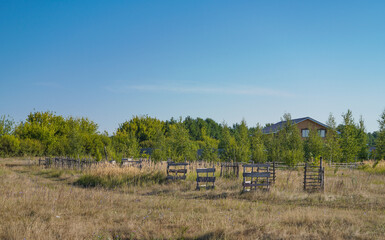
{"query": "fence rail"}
pixel 256 175
pixel 346 165
pixel 207 180
pixel 176 171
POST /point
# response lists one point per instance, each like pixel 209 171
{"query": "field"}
pixel 38 203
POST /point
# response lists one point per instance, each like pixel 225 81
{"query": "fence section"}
pixel 176 171
pixel 129 162
pixel 205 178
pixel 314 177
pixel 256 176
pixel 229 169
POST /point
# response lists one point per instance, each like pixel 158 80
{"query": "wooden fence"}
pixel 64 162
pixel 229 169
pixel 256 175
pixel 176 171
pixel 205 178
pixel 352 165
pixel 314 177
pixel 130 162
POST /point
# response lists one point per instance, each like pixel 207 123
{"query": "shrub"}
pixel 9 145
pixel 31 147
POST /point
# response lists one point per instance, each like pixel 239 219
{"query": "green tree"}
pixel 362 140
pixel 179 145
pixel 209 148
pixel 227 145
pixel 6 125
pixel 214 129
pixel 9 146
pixel 133 147
pixel 242 148
pixel 332 149
pixel 44 127
pixel 31 147
pixel 257 145
pixel 313 146
pixel 273 149
pixel 290 142
pixel 349 143
pixel 160 147
pixel 194 127
pixel 120 141
pixel 380 141
pixel 143 127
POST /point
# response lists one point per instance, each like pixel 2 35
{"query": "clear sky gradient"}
pixel 226 60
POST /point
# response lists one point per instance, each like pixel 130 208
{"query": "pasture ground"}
pixel 37 203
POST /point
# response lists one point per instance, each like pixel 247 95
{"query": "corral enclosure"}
pixel 139 203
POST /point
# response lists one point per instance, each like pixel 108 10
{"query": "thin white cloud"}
pixel 240 90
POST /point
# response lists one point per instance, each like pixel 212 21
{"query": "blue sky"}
pixel 226 60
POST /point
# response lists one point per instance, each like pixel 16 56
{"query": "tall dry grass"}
pixel 39 206
pixel 111 175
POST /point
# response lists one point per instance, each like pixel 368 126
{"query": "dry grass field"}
pixel 37 203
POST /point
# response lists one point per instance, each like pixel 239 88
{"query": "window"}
pixel 305 133
pixel 322 132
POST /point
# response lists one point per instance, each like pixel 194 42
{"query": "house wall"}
pixel 307 124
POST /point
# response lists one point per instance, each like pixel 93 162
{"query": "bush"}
pixel 31 147
pixel 9 146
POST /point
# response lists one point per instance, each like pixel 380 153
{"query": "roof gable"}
pixel 278 126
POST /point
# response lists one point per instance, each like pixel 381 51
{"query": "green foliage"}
pixel 160 148
pixel 313 146
pixel 372 138
pixel 194 127
pixel 179 145
pixel 272 147
pixel 362 140
pixel 228 145
pixel 349 143
pixel 133 149
pixel 9 146
pixel 6 125
pixel 290 143
pixel 214 130
pixel 126 144
pixel 31 147
pixel 44 133
pixel 47 134
pixel 143 128
pixel 332 148
pixel 209 147
pixel 242 148
pixel 380 141
pixel 257 146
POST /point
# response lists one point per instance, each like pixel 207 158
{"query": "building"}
pixel 304 125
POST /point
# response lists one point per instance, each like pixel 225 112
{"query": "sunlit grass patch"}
pixel 110 176
pixel 375 168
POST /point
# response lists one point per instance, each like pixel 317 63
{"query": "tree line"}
pixel 48 134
